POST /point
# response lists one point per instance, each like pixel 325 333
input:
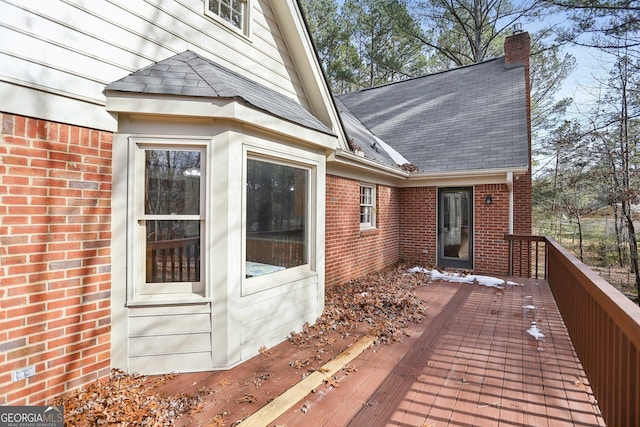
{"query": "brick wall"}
pixel 350 252
pixel 55 259
pixel 491 223
pixel 418 229
pixel 418 225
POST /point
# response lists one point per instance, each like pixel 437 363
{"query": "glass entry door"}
pixel 455 227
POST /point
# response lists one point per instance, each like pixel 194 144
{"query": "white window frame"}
pixel 371 205
pixel 246 7
pixel 140 291
pixel 251 285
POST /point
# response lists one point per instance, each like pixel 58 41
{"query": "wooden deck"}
pixel 471 363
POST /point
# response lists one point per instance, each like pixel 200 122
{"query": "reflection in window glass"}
pixel 277 217
pixel 173 251
pixel 229 10
pixel 172 182
pixel 172 187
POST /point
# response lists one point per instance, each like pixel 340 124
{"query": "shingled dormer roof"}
pixel 469 118
pixel 189 74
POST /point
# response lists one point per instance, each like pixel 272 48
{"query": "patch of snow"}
pixel 449 277
pixel 535 332
pixel 492 282
pixel 419 270
pixel 529 307
pixel 395 156
pixel 510 283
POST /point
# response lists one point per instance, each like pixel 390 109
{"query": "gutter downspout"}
pixel 511 207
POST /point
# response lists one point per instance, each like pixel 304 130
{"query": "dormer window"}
pixel 231 11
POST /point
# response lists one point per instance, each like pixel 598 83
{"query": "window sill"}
pixel 368 231
pixel 288 277
pixel 167 299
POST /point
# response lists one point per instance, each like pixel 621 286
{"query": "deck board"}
pixel 470 362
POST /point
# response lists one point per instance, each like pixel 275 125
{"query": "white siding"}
pixel 270 318
pixel 73 48
pixel 171 338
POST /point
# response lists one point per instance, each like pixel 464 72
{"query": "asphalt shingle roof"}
pixel 467 118
pixel 362 138
pixel 189 74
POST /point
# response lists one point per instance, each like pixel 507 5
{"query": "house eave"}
pixel 352 160
pixel 219 109
pixel 466 177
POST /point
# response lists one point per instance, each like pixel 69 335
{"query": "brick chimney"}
pixel 517 50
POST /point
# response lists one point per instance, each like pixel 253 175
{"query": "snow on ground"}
pixel 492 282
pixel 534 331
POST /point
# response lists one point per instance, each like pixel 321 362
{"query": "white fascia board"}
pixel 221 109
pixel 309 70
pixel 464 178
pixel 44 103
pixel 351 165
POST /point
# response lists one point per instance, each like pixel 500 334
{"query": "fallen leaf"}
pixel 580 384
pixel 217 421
pixel 246 398
pixel 332 382
pixel 349 369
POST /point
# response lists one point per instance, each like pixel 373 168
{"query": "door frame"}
pixel 448 261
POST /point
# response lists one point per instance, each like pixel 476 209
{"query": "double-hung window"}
pixel 170 218
pixel 367 206
pixel 234 12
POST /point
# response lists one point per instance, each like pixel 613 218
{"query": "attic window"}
pixel 232 12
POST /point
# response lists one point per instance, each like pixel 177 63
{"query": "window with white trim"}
pixel 277 216
pixel 367 206
pixel 170 214
pixel 233 12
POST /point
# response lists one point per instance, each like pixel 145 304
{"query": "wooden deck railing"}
pixel 604 326
pixel 527 255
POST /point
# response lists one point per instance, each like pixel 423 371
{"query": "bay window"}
pixel 277 216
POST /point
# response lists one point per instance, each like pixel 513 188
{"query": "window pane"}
pixel 229 10
pixel 365 214
pixel 173 251
pixel 172 182
pixel 225 12
pixel 277 217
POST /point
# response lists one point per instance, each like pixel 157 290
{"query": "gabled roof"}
pixel 189 74
pixel 363 140
pixel 469 118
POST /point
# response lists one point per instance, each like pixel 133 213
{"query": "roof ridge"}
pixel 424 76
pixel 197 57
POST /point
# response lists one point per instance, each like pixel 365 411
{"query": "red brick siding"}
pixel 418 225
pixel 418 228
pixel 491 223
pixel 55 260
pixel 350 252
